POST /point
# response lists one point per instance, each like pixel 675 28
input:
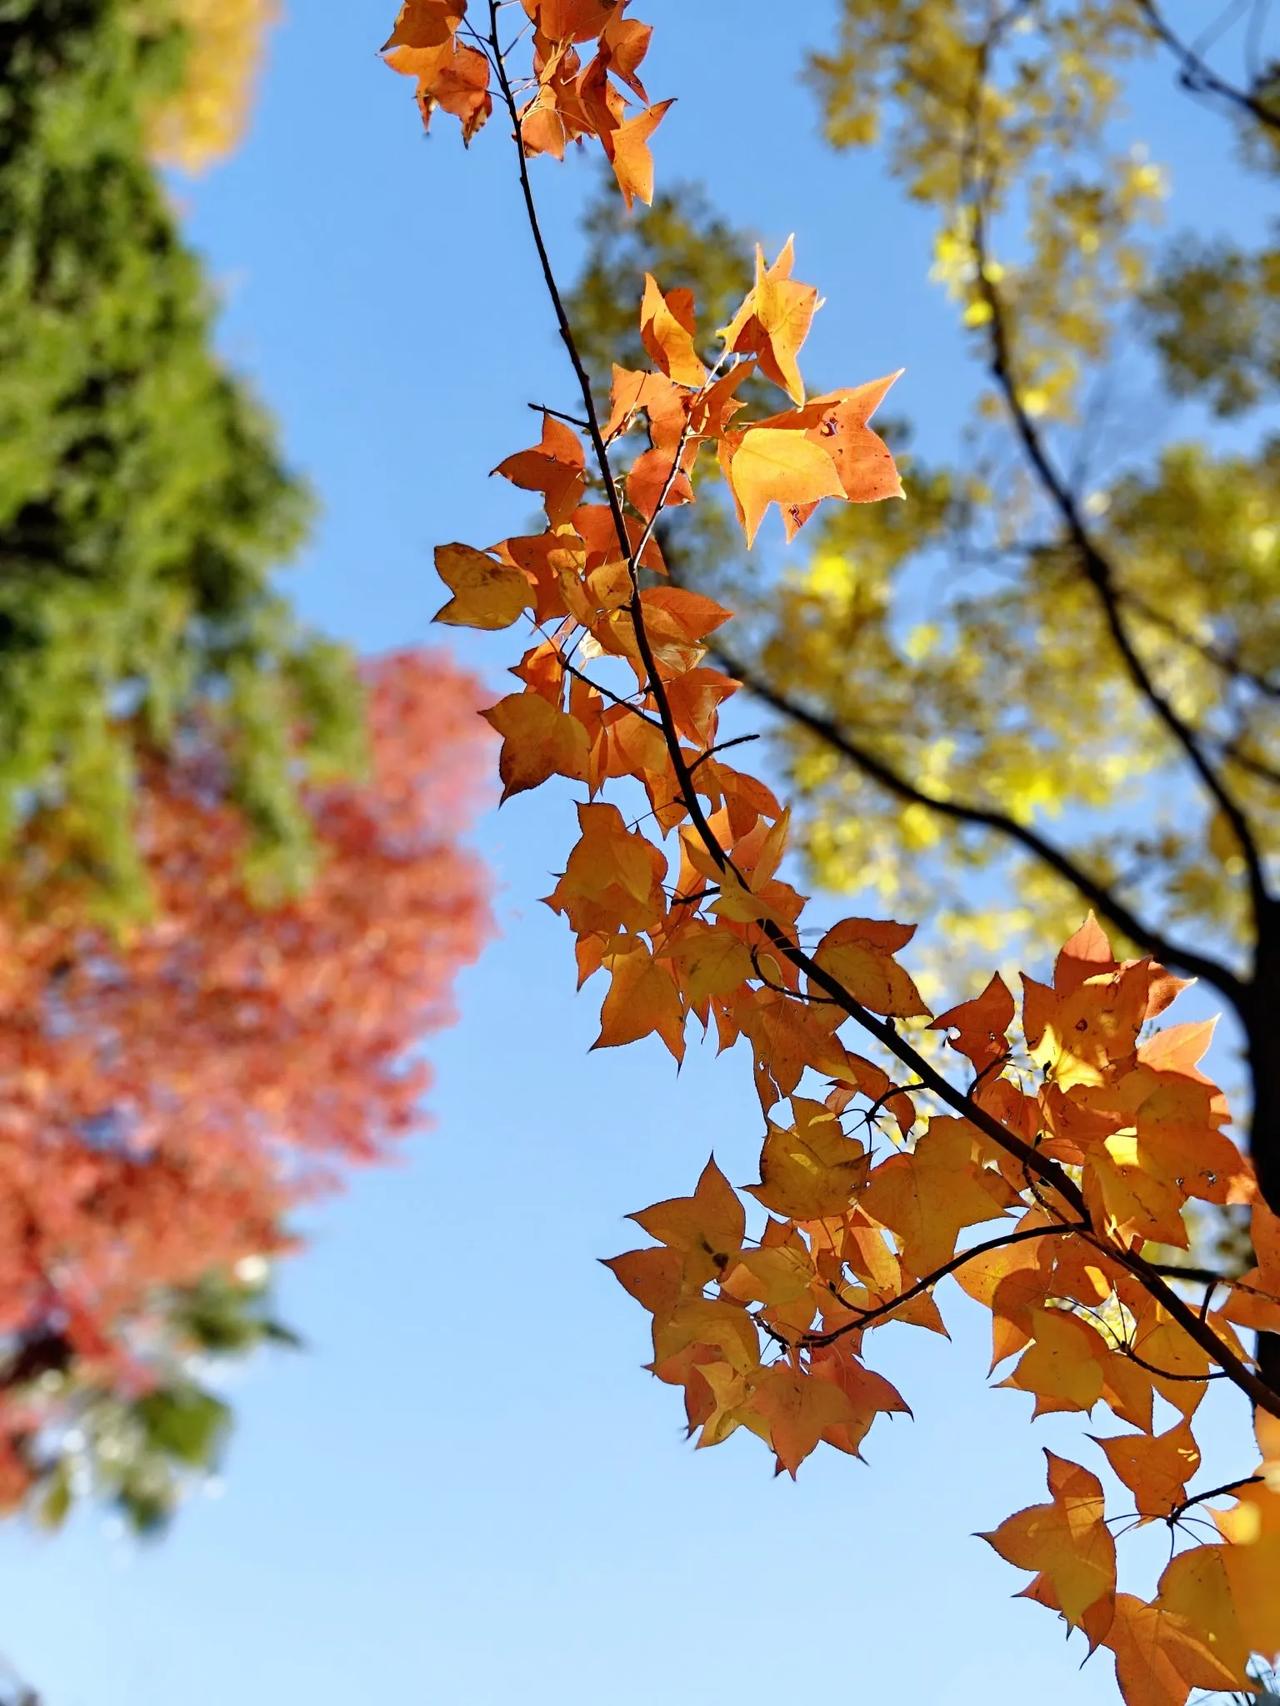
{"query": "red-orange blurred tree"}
pixel 171 1093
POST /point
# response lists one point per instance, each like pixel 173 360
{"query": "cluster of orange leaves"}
pixel 1084 1140
pixel 566 100
pixel 170 1094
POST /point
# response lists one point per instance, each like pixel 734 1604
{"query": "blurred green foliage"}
pixel 138 1454
pixel 144 504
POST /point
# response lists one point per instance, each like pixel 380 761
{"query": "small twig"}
pixel 559 415
pixel 997 1065
pixel 1127 1350
pixel 599 687
pixel 1206 1276
pixel 868 1317
pixel 722 746
pixel 1213 1493
pixel 883 1101
pixel 806 996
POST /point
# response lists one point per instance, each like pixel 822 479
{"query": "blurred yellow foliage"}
pixel 205 119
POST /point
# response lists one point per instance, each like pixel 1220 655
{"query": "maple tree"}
pixel 175 1091
pixel 1080 711
pixel 1086 1135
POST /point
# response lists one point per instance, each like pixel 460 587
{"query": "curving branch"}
pixel 1220 660
pixel 1198 77
pixel 1102 898
pixel 1099 573
pixel 1096 566
pixel 868 1317
pixel 1193 1499
pixel 1261 993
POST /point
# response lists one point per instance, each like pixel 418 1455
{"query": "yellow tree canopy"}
pixel 204 119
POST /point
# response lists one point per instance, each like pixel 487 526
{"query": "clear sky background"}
pixel 468 1491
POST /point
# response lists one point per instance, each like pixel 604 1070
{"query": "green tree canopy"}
pixel 143 501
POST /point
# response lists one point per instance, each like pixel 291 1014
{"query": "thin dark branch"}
pixel 721 746
pixel 883 1031
pixel 643 645
pixel 1213 1493
pixel 607 692
pixel 1200 78
pixel 1098 570
pixel 869 1317
pixel 1103 899
pixel 1207 1276
pixel 557 415
pixel 1264 1396
pixel 800 995
pixel 580 675
pixel 1168 1373
pixel 1193 1276
pixel 883 1100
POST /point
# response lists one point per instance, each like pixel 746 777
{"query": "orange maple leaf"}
pixel 538 740
pixel 486 594
pixel 642 999
pixel 774 320
pixel 668 330
pixel 628 152
pixel 776 465
pixel 809 1169
pixel 1158 1658
pixel 1068 1545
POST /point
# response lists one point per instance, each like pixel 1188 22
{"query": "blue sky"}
pixel 467 1491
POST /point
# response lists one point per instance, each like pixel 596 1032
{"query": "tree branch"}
pixel 868 1317
pixel 1258 1390
pixel 1234 753
pixel 1212 654
pixel 1212 1493
pixel 1099 896
pixel 598 686
pixel 1099 573
pixel 1200 78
